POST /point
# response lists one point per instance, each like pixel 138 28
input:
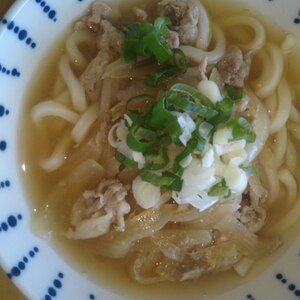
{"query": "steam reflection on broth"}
pixel 106 213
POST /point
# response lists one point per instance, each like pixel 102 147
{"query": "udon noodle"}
pixel 121 211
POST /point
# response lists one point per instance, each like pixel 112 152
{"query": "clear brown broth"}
pixel 112 273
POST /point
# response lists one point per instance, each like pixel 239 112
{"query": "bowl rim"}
pixel 17 217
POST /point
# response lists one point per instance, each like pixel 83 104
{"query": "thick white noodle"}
pixel 272 184
pixel 56 159
pixel 291 156
pixel 52 108
pixel 292 216
pixel 264 61
pixel 76 89
pixel 84 124
pixel 214 55
pixel 284 107
pixel 268 157
pixel 259 31
pixel 290 183
pixel 72 47
pixel 267 83
pixel 280 146
pixel 204 30
pixel 271 105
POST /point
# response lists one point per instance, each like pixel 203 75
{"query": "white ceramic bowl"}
pixel 26 32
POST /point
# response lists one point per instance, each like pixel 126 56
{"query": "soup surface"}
pixel 156 232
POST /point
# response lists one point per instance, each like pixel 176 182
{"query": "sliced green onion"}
pixel 161 75
pixel 157 162
pixel 192 92
pixel 129 54
pixel 158 46
pixel 161 25
pixel 200 104
pixel 167 72
pixel 174 129
pixel 250 171
pixel 141 48
pixel 145 27
pixel 135 117
pixel 224 108
pixel 200 143
pixel 144 40
pixel 163 141
pixel 161 118
pixel 155 179
pixel 186 90
pixel 196 143
pixel 242 129
pixel 166 180
pixel 234 93
pixel 140 139
pixel 159 115
pixel 177 183
pixel 220 189
pixel 125 161
pixel 132 33
pixel 183 102
pixel 180 60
